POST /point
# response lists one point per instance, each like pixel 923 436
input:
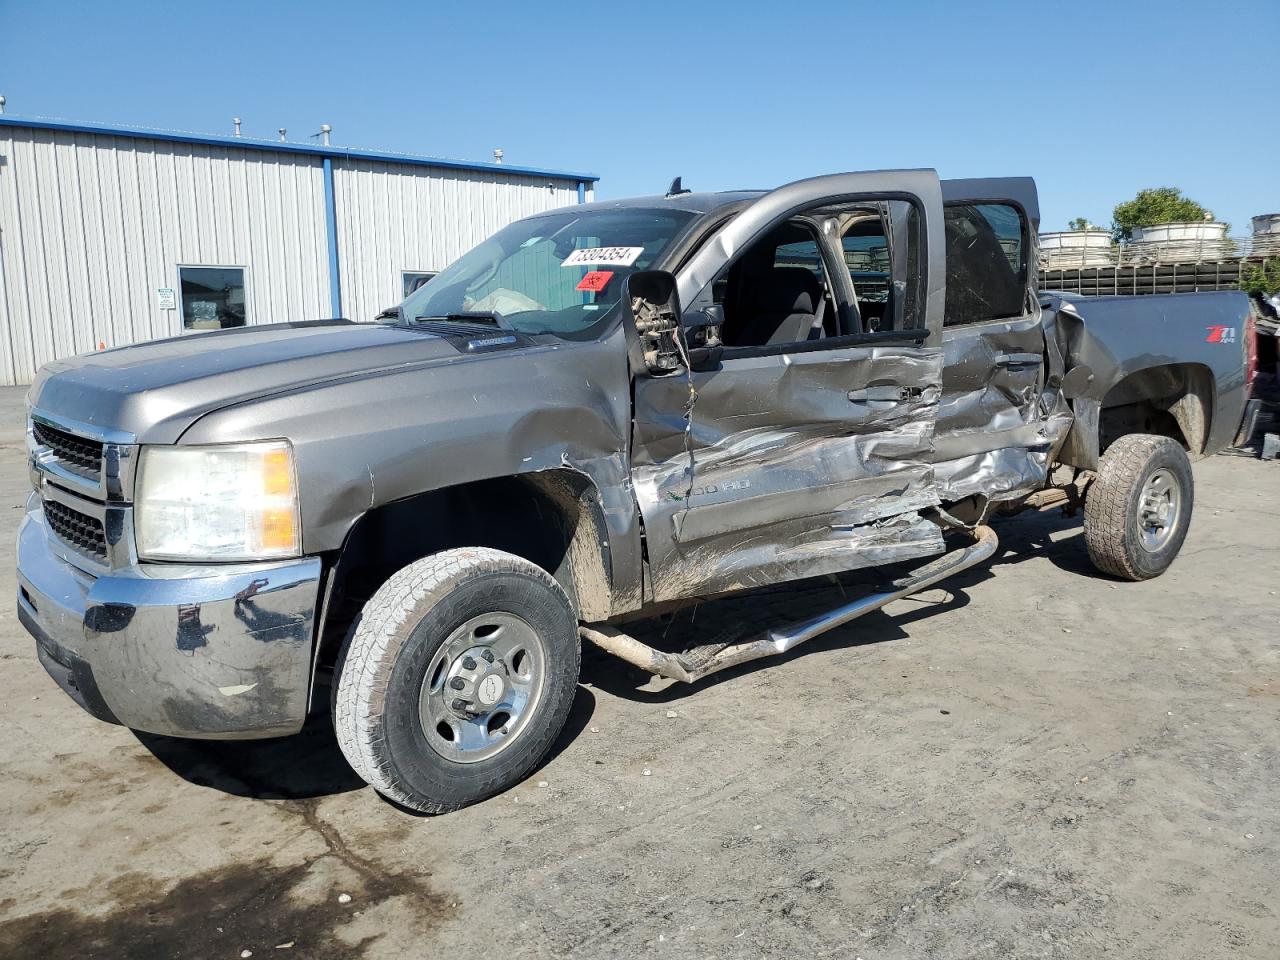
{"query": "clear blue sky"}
pixel 1093 99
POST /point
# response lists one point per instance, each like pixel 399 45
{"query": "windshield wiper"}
pixel 488 318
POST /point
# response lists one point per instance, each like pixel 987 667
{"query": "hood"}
pixel 155 391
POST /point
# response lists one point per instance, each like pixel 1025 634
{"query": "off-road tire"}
pixel 1111 527
pixel 384 659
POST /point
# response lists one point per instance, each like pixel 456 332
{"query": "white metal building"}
pixel 109 236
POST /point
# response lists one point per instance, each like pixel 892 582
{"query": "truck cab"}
pixel 598 413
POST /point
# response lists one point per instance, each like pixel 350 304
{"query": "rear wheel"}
pixel 1138 510
pixel 456 678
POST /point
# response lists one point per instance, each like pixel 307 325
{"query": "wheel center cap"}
pixel 490 690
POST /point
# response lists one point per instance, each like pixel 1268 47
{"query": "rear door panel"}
pixel 998 421
pixel 990 437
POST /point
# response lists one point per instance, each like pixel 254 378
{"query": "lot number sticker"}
pixel 603 257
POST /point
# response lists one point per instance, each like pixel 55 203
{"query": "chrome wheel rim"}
pixel 482 687
pixel 1159 510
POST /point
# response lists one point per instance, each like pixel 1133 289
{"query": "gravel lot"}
pixel 1034 762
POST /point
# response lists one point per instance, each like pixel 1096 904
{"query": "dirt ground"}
pixel 1034 762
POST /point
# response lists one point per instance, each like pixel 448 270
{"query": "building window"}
pixel 212 297
pixel 413 279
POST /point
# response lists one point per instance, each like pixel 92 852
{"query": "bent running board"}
pixel 693 665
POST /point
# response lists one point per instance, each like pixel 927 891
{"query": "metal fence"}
pixel 1209 250
pixel 1129 279
pixel 1172 266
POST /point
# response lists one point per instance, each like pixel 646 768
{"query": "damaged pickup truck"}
pixel 598 413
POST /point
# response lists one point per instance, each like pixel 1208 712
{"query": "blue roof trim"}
pixel 276 146
pixel 331 239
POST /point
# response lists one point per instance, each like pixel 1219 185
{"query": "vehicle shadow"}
pixel 302 767
pixel 1050 535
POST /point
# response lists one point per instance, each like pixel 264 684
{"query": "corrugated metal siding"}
pixel 393 218
pixel 91 225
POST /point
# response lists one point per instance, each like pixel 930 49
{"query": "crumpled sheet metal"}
pixel 808 390
pixel 823 484
pixel 1017 467
pixel 999 425
pixel 799 548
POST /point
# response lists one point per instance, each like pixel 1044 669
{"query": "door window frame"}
pixel 832 251
pixel 826 252
pixel 895 297
pixel 1030 282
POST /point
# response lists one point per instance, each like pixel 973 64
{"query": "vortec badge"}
pixel 1220 334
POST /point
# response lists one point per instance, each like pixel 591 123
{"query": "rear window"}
pixel 986 262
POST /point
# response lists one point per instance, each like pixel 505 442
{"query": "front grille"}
pixel 77 530
pixel 81 455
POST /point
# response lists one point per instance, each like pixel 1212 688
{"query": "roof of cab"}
pixel 1016 188
pixel 1020 189
pixel 693 202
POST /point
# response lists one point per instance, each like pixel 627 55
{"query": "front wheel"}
pixel 456 678
pixel 1137 512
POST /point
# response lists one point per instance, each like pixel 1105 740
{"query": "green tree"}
pixel 1263 279
pixel 1151 206
pixel 1079 223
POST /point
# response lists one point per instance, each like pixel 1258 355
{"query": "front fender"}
pixel 364 442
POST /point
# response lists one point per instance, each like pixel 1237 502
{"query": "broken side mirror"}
pixel 652 323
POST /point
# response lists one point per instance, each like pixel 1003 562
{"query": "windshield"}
pixel 559 273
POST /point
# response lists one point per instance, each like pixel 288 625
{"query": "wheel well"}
pixel 551 518
pixel 1174 400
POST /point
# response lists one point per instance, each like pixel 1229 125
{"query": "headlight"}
pixel 226 502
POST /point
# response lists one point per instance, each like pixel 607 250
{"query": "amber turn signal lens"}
pixel 279 530
pixel 277 473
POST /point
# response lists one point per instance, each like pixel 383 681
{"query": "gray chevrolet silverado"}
pixel 598 413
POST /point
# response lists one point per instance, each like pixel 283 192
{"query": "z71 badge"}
pixel 1220 334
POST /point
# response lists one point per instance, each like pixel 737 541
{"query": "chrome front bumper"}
pixel 218 652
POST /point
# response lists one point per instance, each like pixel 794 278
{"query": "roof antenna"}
pixel 676 188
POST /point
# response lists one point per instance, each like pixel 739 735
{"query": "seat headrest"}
pixel 785 290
